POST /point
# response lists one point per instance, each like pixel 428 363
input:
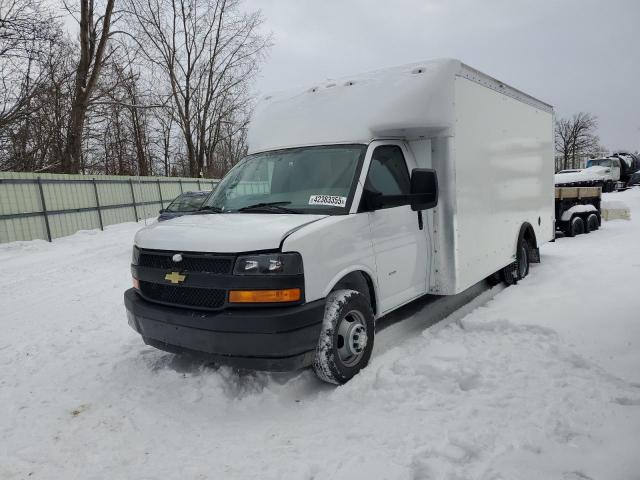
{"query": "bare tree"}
pixel 28 33
pixel 165 122
pixel 576 139
pixel 94 36
pixel 205 51
pixel 170 94
pixel 34 141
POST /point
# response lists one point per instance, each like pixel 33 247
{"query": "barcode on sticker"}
pixel 330 200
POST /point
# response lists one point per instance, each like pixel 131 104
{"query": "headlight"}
pixel 135 255
pixel 269 264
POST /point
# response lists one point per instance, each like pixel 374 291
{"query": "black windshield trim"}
pixel 270 207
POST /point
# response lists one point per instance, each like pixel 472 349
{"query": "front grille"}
pixel 184 296
pixel 220 265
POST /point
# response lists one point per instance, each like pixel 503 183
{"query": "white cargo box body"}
pixel 491 145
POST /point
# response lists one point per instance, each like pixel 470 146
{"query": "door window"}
pixel 388 172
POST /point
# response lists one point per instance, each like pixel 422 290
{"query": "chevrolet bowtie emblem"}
pixel 175 277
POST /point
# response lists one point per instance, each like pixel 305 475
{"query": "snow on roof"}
pixel 590 174
pixel 407 101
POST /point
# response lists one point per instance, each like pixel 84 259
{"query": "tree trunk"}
pixel 73 148
pixel 87 74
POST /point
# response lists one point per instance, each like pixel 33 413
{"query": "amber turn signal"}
pixel 264 296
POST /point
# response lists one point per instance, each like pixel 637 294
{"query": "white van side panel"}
pixel 500 175
pixel 331 248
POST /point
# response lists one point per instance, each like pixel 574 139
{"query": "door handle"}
pixel 420 222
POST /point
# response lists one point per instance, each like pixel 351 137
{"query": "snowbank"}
pixel 615 210
pixel 540 383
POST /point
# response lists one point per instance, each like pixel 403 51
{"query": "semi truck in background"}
pixel 601 172
pixel 366 193
pixel 611 173
pixel 629 164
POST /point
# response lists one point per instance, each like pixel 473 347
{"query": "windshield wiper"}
pixel 275 207
pixel 207 209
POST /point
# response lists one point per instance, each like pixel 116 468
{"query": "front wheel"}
pixel 346 339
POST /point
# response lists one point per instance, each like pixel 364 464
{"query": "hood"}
pixel 222 232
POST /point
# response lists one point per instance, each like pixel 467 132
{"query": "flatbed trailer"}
pixel 577 209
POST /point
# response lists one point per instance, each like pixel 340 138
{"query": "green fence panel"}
pixel 82 202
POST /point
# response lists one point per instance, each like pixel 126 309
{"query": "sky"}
pixel 576 55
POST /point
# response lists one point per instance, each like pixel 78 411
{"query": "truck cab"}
pixel 612 164
pixel 357 197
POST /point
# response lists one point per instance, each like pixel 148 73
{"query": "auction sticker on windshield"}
pixel 331 200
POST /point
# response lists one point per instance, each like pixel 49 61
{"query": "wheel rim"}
pixel 352 338
pixel 579 228
pixel 523 264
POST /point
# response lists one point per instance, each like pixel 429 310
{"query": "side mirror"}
pixel 372 200
pixel 424 189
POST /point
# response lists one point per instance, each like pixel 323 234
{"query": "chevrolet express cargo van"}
pixel 358 196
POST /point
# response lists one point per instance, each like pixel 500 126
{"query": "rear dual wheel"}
pixel 522 259
pixel 519 269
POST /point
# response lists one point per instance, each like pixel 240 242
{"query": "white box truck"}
pixel 358 196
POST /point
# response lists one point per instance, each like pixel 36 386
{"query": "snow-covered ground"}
pixel 542 382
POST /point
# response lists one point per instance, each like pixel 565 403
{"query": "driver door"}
pixel 399 244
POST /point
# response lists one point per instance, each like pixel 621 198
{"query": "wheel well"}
pixel 361 282
pixel 526 232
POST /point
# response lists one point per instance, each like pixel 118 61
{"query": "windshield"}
pixel 186 203
pixel 304 180
pixel 599 163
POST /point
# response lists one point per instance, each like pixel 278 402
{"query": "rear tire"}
pixel 346 339
pixel 522 259
pixel 519 269
pixel 593 222
pixel 576 227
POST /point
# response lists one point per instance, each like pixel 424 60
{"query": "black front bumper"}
pixel 272 338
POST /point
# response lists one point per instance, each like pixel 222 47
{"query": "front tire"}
pixel 346 339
